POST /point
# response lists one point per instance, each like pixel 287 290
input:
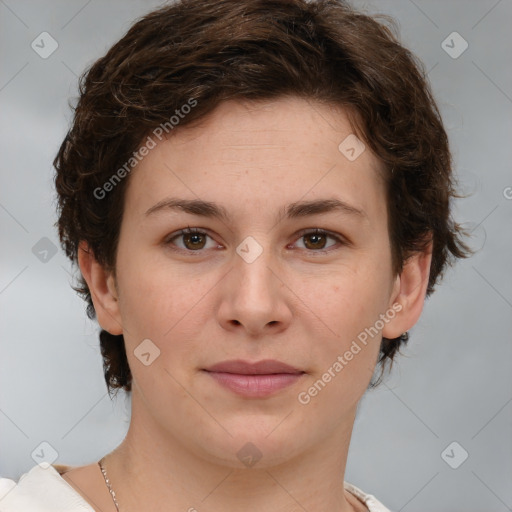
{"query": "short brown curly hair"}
pixel 216 50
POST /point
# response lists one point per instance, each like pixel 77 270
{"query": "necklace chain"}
pixel 107 481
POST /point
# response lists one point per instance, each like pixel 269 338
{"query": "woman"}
pixel 250 192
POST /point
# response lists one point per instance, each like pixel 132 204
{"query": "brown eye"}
pixel 316 240
pixel 194 241
pixel 191 240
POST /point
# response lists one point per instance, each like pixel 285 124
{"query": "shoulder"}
pixel 371 502
pixel 42 488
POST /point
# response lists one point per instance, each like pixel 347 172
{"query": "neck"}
pixel 151 467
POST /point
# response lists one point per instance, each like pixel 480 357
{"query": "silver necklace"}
pixel 107 481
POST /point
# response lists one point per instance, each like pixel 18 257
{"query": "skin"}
pixel 292 303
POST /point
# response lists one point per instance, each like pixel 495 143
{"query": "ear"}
pixel 409 292
pixel 103 290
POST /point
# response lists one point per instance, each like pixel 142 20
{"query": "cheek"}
pixel 169 307
pixel 344 359
pixel 350 307
pixel 161 309
pixel 162 312
pixel 358 293
pixel 155 293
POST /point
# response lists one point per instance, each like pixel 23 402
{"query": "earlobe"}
pixel 409 293
pixel 103 290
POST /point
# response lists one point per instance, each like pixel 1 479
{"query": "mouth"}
pixel 254 380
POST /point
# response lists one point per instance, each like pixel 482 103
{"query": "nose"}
pixel 255 298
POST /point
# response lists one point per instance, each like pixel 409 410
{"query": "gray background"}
pixel 452 384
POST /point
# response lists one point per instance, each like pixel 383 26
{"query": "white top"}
pixel 42 489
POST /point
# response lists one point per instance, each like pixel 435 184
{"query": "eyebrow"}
pixel 294 210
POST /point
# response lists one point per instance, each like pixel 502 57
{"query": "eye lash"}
pixel 185 231
pixel 188 230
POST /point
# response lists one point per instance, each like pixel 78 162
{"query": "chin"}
pixel 259 443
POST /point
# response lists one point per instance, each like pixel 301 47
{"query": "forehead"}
pixel 290 121
pixel 257 154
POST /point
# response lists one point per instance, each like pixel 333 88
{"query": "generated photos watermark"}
pixel 304 397
pixel 138 156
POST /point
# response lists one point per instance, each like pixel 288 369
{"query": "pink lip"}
pixel 265 367
pixel 254 380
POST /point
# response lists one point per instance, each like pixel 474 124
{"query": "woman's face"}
pixel 256 284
